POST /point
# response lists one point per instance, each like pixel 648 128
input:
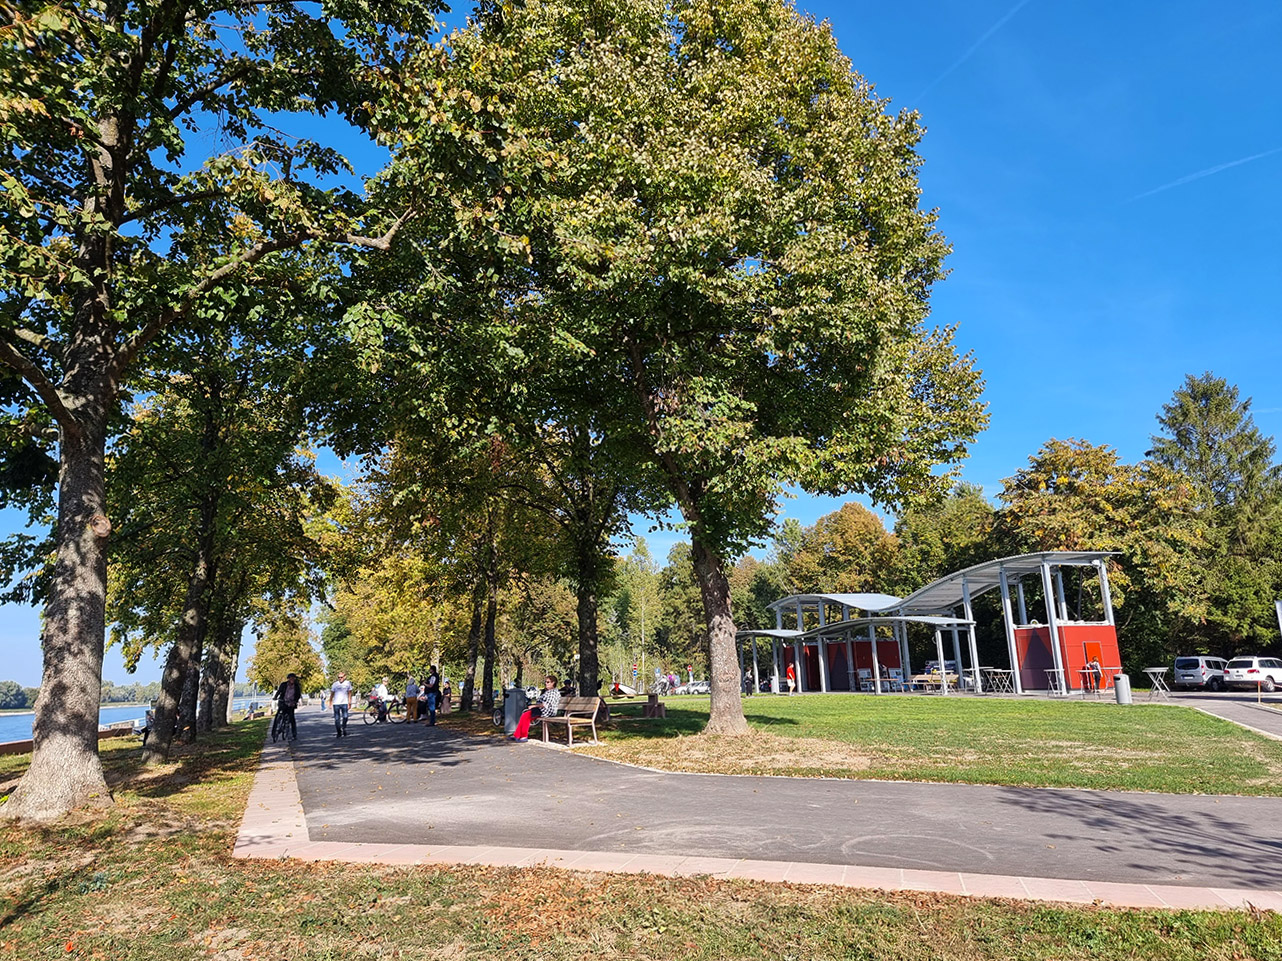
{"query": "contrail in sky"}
pixel 974 46
pixel 1205 173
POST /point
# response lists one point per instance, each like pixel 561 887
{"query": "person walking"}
pixel 287 697
pixel 447 693
pixel 411 700
pixel 381 694
pixel 433 687
pixel 340 698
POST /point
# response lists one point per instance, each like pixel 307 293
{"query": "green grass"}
pixel 153 879
pixel 982 741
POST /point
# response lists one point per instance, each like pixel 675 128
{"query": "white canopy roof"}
pixel 862 602
pixel 947 592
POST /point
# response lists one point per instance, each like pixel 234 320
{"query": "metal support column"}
pixel 850 652
pixel 822 650
pixel 939 652
pixel 1007 619
pixel 756 670
pixel 1053 623
pixel 1023 609
pixel 970 633
pixel 1106 597
pixel 876 661
pixel 1063 598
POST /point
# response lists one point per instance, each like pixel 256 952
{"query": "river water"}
pixel 17 727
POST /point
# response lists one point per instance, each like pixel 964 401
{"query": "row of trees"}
pixel 624 255
pixel 1197 525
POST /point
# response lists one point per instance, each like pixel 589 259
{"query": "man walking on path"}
pixel 340 696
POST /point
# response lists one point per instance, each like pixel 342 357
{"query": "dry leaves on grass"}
pixel 761 753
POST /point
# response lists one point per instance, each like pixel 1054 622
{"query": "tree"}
pixel 110 233
pixel 1210 439
pixel 1078 496
pixel 285 645
pixel 937 539
pixel 847 551
pixel 12 696
pixel 712 215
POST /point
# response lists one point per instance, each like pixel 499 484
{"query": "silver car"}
pixel 1200 671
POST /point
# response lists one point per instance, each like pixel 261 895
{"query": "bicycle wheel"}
pixel 396 712
pixel 498 717
pixel 276 727
pixel 371 714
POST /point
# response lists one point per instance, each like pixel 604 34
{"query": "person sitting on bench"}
pixel 548 704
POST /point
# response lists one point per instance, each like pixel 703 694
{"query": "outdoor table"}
pixel 998 680
pixel 935 680
pixel 1055 681
pixel 1157 677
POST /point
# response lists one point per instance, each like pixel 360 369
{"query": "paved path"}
pixel 1262 715
pixel 415 790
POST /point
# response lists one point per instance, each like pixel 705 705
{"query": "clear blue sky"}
pixel 1108 176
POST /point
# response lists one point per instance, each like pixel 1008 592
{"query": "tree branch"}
pixel 40 341
pixel 196 96
pixel 150 209
pixel 34 375
pixel 250 255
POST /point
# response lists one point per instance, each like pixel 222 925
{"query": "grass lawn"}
pixel 153 879
pixel 981 741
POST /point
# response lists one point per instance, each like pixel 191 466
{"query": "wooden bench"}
pixel 575 712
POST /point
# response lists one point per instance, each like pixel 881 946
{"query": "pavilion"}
pixel 860 641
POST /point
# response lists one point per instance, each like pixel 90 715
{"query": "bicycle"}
pixel 282 728
pixel 394 710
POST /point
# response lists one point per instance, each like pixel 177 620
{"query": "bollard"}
pixel 1122 689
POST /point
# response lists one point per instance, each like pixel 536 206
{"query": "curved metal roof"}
pixel 947 592
pixel 864 602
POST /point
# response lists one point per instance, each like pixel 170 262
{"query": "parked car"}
pixel 1248 672
pixel 1200 671
pixel 699 687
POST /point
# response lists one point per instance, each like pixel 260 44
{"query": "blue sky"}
pixel 1107 174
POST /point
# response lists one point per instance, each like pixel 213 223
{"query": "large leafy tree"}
pixel 714 218
pixel 847 551
pixel 111 231
pixel 1079 496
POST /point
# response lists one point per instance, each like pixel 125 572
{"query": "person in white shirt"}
pixel 340 694
pixel 380 692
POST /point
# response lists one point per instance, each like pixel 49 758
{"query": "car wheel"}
pixel 1268 685
pixel 1216 684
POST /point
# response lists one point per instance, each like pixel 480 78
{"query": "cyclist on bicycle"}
pixel 287 697
pixel 380 692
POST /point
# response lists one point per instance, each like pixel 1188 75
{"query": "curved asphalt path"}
pixel 411 784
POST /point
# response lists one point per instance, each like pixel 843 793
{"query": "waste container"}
pixel 1122 689
pixel 514 705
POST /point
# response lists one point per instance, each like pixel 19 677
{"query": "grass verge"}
pixel 970 740
pixel 153 879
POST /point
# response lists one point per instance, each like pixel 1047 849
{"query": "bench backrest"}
pixel 579 705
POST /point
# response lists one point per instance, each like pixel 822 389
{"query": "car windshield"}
pixel 1242 662
pixel 1186 663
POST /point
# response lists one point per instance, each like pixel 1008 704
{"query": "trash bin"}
pixel 1122 689
pixel 514 705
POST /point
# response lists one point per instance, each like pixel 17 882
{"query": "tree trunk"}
pixel 66 772
pixel 473 652
pixel 227 693
pixel 725 715
pixel 589 662
pixel 179 664
pixel 189 704
pixel 487 671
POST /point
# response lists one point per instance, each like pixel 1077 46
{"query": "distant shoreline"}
pixel 27 710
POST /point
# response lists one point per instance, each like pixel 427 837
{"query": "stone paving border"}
pixel 275 827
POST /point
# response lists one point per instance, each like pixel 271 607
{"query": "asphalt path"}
pixel 1245 708
pixel 413 784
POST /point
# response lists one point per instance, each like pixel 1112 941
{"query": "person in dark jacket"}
pixel 288 695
